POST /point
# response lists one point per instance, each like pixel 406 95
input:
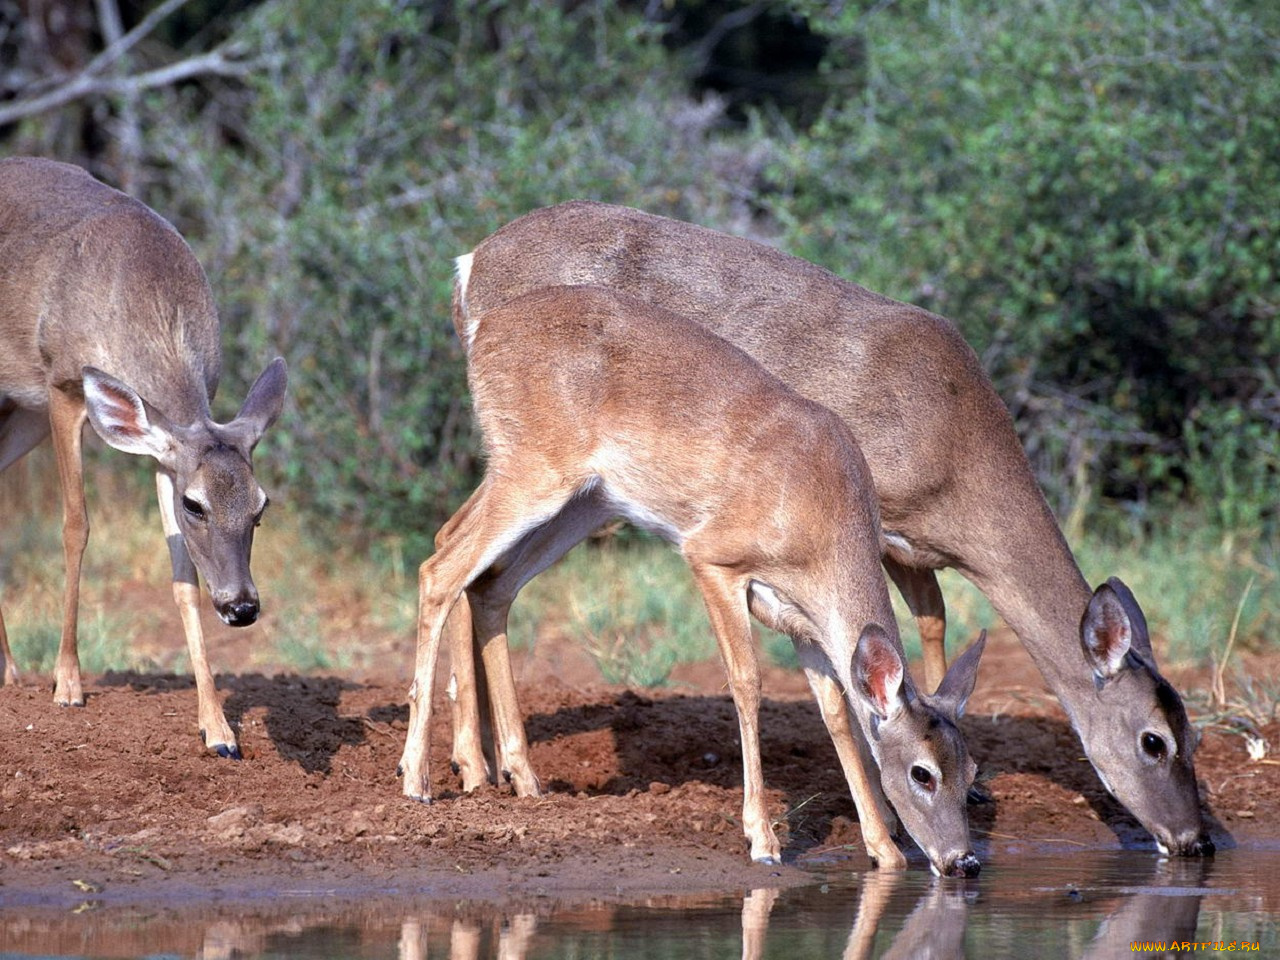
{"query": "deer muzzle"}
pixel 965 865
pixel 239 612
pixel 1189 844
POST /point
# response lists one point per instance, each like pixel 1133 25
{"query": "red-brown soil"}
pixel 643 788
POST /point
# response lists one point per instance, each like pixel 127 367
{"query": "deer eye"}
pixel 923 777
pixel 1153 746
pixel 193 508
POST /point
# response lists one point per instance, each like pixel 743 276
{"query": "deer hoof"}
pixel 228 751
pixel 978 795
pixel 768 861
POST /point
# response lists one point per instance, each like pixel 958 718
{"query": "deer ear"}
pixel 1111 627
pixel 126 421
pixel 261 407
pixel 957 686
pixel 878 672
pixel 1141 638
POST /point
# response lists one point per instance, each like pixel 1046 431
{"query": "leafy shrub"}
pixel 1089 191
pixel 381 141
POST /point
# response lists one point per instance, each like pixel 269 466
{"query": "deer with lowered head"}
pixel 107 316
pixel 594 405
pixel 952 480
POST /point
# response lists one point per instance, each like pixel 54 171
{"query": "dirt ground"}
pixel 120 799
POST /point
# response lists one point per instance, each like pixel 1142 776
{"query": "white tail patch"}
pixel 462 275
pixel 897 542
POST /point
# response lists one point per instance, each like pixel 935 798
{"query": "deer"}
pixel 592 405
pixel 109 318
pixel 953 483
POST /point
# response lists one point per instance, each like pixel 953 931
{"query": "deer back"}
pixel 91 277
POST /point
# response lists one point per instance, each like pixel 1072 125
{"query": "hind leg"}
pixel 490 599
pixel 20 431
pixel 919 587
pixel 500 514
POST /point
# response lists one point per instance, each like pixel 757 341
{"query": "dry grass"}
pixel 629 601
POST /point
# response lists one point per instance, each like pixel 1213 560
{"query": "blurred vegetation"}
pixel 1088 191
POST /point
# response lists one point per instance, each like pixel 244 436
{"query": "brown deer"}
pixel 953 483
pixel 594 405
pixel 107 316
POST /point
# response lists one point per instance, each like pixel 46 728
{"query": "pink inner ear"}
pixel 882 670
pixel 123 415
pixel 1112 631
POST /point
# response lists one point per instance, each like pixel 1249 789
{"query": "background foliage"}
pixel 1087 190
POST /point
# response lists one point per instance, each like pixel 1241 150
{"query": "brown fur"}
pixel 107 316
pixel 953 484
pixel 593 404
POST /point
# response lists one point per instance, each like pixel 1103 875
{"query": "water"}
pixel 1085 904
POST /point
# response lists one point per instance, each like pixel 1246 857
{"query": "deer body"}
pixel 953 484
pixel 106 315
pixel 593 405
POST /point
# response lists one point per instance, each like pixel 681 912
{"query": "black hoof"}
pixel 399 769
pixel 978 795
pixel 231 752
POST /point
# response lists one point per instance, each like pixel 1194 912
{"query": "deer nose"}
pixel 239 613
pixel 1203 847
pixel 965 865
pixel 1200 846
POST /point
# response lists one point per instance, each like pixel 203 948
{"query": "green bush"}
pixel 381 141
pixel 1089 191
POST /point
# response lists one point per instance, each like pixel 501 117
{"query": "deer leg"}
pixel 66 421
pixel 919 587
pixel 726 598
pixel 756 908
pixel 215 731
pixel 875 890
pixel 8 668
pixel 20 431
pixel 490 600
pixel 501 514
pixel 874 814
pixel 473 755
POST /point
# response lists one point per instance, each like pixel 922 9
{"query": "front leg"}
pixel 214 728
pixel 726 600
pixel 9 674
pixel 66 420
pixel 875 816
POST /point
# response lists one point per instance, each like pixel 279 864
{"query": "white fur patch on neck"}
pixel 462 276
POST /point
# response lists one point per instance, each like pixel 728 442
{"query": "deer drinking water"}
pixel 953 483
pixel 594 405
pixel 106 315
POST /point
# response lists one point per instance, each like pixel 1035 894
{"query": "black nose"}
pixel 1200 847
pixel 965 865
pixel 240 613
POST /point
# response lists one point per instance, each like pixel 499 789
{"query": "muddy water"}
pixel 1086 904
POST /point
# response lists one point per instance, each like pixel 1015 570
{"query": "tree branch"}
pixel 217 62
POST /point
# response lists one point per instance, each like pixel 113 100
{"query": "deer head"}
pixel 217 500
pixel 1136 731
pixel 925 768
